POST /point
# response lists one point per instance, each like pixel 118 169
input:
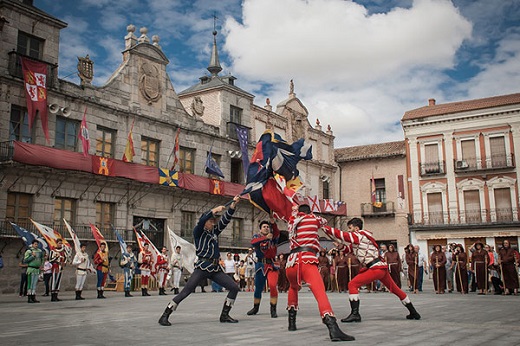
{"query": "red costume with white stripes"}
pixel 363 245
pixel 302 263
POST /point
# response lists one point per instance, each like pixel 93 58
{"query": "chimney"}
pixel 431 102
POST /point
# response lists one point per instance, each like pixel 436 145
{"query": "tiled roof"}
pixel 371 151
pixel 462 106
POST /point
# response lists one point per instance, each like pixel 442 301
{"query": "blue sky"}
pixel 356 65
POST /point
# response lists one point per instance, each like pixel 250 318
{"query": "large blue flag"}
pixel 121 241
pixel 29 237
pixel 212 166
pixel 273 155
pixel 243 138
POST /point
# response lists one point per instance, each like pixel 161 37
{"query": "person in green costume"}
pixel 33 257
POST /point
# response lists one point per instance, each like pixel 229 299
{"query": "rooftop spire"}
pixel 214 65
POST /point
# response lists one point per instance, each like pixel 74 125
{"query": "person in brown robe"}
pixel 341 271
pixel 438 262
pixel 353 266
pixel 479 265
pixel 412 260
pixel 324 267
pixel 508 260
pixel 333 253
pixel 283 283
pixel 394 264
pixel 460 260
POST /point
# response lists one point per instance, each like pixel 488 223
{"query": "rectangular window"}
pixel 104 142
pixel 66 134
pixel 64 208
pixel 235 117
pixel 236 229
pixel 19 125
pixel 18 208
pixel 498 151
pixel 187 224
pixel 380 190
pixel 29 45
pixel 435 214
pixel 149 152
pixel 472 206
pixel 431 163
pixel 503 208
pixel 105 214
pixel 326 189
pixel 236 171
pixel 469 153
pixel 186 160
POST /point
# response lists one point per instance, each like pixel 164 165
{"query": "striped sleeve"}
pixel 347 237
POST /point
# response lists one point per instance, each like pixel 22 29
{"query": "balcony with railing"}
pixel 472 164
pixel 433 168
pixel 474 218
pixel 15 68
pixel 376 210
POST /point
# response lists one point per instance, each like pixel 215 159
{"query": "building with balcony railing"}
pixel 375 175
pixel 51 180
pixel 463 180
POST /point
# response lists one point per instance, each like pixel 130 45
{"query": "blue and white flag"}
pixel 28 237
pixel 212 166
pixel 242 134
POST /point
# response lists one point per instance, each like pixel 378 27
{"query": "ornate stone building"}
pixel 48 180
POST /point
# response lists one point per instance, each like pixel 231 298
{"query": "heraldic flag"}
pixel 52 236
pixel 35 80
pixel 28 237
pixel 168 177
pixel 272 156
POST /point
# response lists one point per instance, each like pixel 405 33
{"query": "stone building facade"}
pixel 50 180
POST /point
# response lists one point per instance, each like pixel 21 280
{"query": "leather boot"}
pixel 146 292
pixel 56 297
pixel 79 294
pixel 53 297
pixel 177 290
pixel 100 294
pixel 254 310
pixel 414 315
pixel 334 332
pixel 142 292
pixel 29 299
pixel 163 321
pixel 224 315
pixel 354 314
pixel 292 319
pixel 127 294
pixel 34 299
pixel 273 311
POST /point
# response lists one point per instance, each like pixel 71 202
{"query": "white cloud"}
pixel 356 71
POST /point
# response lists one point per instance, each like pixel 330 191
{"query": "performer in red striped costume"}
pixel 361 243
pixel 302 265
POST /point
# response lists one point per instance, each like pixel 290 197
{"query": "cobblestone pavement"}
pixel 449 319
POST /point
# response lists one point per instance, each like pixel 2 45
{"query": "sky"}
pixel 357 66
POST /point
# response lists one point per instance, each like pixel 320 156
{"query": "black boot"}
pixel 292 319
pixel 100 294
pixel 53 297
pixel 354 314
pixel 56 297
pixel 334 332
pixel 30 298
pixel 224 315
pixel 177 290
pixel 414 315
pixel 273 311
pixel 78 295
pixel 163 321
pixel 254 310
pixel 34 299
pixel 127 294
pixel 145 292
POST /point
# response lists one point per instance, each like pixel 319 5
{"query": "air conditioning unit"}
pixel 462 164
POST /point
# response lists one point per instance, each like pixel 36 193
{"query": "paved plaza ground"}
pixel 449 319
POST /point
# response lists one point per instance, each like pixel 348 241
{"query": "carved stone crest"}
pixel 197 106
pixel 85 70
pixel 149 82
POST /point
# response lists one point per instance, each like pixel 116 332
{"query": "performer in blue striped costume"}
pixel 207 266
